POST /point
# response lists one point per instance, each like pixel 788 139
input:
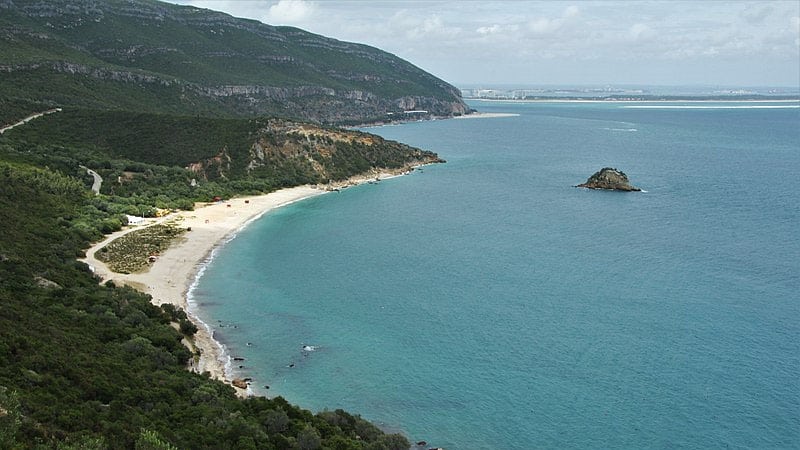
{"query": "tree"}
pixel 309 439
pixel 150 440
pixel 276 421
pixel 85 443
pixel 10 417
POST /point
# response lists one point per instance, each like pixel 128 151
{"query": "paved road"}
pixel 98 180
pixel 28 119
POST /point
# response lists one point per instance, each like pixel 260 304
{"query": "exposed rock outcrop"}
pixel 213 168
pixel 76 48
pixel 610 179
pixel 45 283
pixel 312 154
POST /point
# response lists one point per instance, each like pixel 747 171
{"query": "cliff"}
pixel 151 56
pixel 139 149
pixel 311 153
pixel 610 179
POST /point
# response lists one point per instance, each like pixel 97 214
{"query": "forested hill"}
pixel 170 105
pixel 150 56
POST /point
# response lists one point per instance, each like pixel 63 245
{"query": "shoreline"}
pixel 485 115
pixel 174 274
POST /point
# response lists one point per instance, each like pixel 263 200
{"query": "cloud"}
pixel 498 38
pixel 494 29
pixel 640 32
pixel 416 27
pixel 546 26
pixel 290 12
pixel 571 11
pixel 756 14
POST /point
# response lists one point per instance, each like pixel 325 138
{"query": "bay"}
pixel 487 303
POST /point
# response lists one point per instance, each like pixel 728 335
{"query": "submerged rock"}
pixel 609 178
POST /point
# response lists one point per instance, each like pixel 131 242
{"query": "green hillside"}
pixel 159 57
pixel 123 382
pixel 85 366
pixel 170 105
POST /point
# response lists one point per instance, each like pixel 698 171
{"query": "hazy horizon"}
pixel 656 43
pixel 589 85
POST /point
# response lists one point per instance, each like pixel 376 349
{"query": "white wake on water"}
pixel 619 129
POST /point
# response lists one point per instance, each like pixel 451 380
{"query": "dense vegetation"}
pixel 167 104
pixel 91 366
pixel 13 110
pixel 149 160
pixel 185 60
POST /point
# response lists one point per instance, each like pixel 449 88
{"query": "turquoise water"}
pixel 486 303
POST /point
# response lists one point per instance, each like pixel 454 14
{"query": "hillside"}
pixel 123 382
pixel 155 156
pixel 88 366
pixel 169 106
pixel 145 55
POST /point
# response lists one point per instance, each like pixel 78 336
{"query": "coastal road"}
pixel 98 180
pixel 28 119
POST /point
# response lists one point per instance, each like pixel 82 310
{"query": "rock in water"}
pixel 609 178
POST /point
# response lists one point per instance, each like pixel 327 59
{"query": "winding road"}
pixel 28 119
pixel 98 180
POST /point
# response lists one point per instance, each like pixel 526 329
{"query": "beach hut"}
pixel 134 220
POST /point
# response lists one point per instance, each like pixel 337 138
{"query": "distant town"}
pixel 637 93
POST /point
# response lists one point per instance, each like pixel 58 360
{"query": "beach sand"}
pixel 169 278
pixel 483 115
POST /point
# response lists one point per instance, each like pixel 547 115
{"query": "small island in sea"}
pixel 609 178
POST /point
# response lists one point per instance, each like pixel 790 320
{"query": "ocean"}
pixel 487 303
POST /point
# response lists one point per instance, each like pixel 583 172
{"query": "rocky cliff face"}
pixel 216 167
pixel 312 154
pixel 610 179
pixel 201 60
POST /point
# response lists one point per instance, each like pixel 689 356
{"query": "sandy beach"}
pixel 483 115
pixel 169 278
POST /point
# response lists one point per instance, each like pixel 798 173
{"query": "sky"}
pixel 527 43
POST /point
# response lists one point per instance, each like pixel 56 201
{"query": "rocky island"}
pixel 610 179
